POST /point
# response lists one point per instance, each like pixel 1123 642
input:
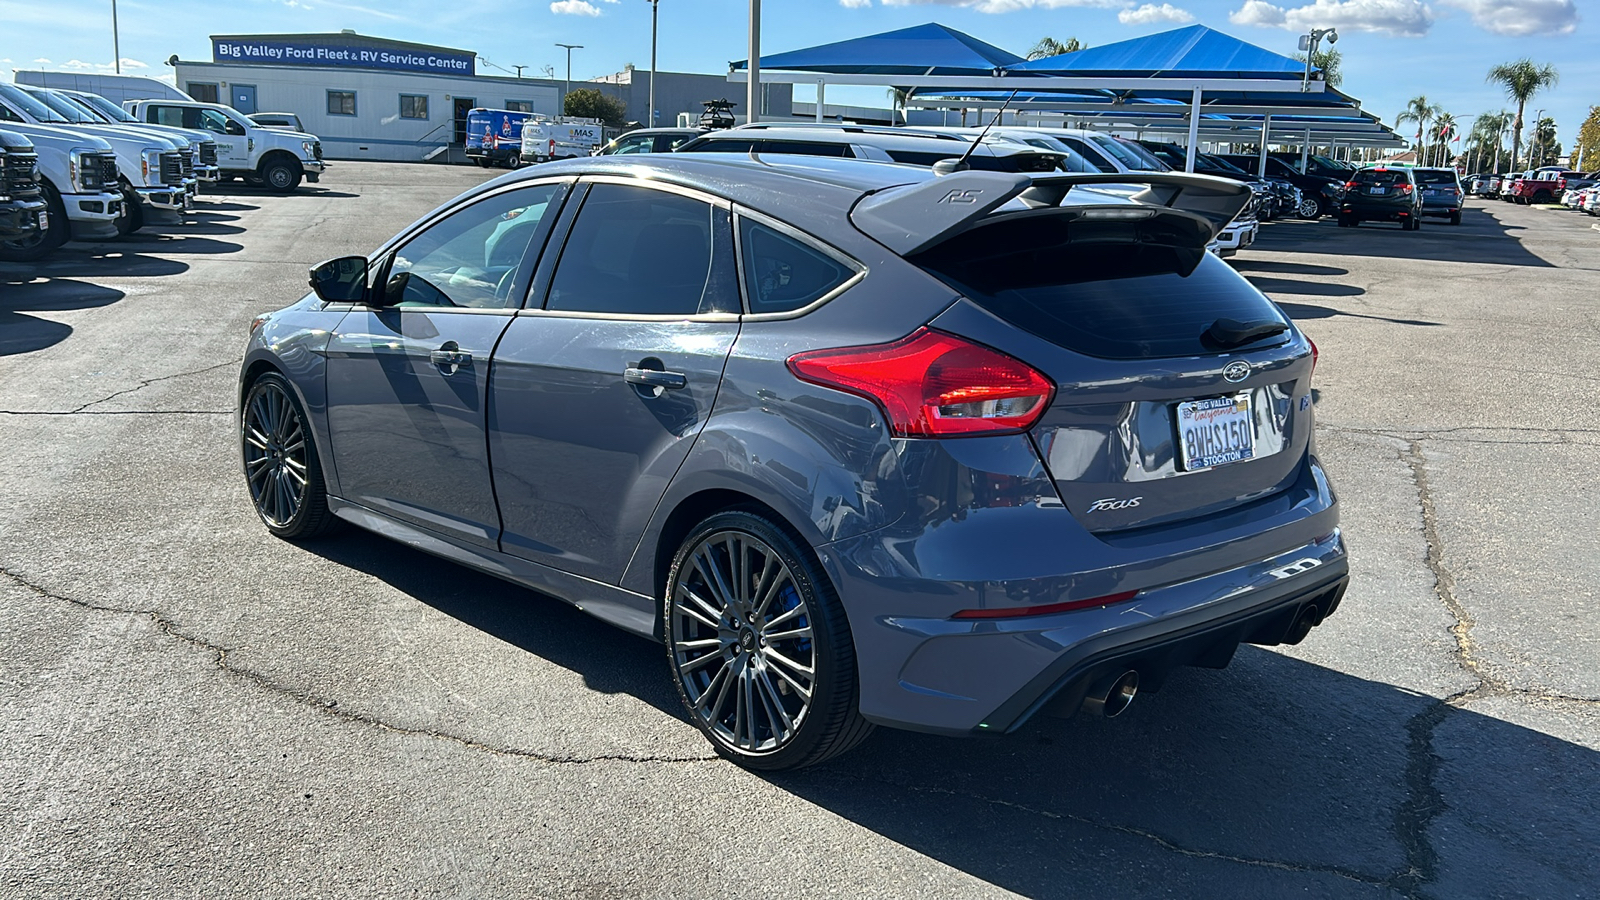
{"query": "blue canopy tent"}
pixel 1176 69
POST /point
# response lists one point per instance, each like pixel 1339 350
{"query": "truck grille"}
pixel 20 174
pixel 99 172
pixel 208 153
pixel 172 168
pixel 188 162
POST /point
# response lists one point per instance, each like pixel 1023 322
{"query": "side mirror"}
pixel 342 280
pixel 234 127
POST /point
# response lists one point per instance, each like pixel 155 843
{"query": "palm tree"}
pixel 1522 79
pixel 1049 46
pixel 1417 110
pixel 898 96
pixel 1485 137
pixel 1446 129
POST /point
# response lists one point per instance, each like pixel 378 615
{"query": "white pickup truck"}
pixel 544 139
pixel 76 175
pixel 266 156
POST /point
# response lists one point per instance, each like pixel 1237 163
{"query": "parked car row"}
pixel 1533 186
pixel 76 166
pixel 1401 194
pixel 1583 195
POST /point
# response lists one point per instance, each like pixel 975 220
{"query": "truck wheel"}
pixel 280 177
pixel 132 218
pixel 514 161
pixel 36 245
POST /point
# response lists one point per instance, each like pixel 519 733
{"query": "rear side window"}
pixel 1112 290
pixel 718 146
pixel 783 274
pixel 637 251
pixel 1381 177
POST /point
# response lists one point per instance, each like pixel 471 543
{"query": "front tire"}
pixel 281 176
pixel 132 218
pixel 1310 208
pixel 760 650
pixel 281 466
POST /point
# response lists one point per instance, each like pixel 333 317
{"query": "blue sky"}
pixel 1393 49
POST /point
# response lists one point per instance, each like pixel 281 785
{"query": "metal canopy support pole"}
pixel 1261 164
pixel 1305 151
pixel 655 8
pixel 822 94
pixel 1194 129
pixel 752 88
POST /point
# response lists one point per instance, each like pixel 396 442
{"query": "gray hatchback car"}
pixel 857 443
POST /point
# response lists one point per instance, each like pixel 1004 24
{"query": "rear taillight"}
pixel 1405 188
pixel 1349 185
pixel 932 384
pixel 1315 353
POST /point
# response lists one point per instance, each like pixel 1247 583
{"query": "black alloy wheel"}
pixel 759 646
pixel 280 461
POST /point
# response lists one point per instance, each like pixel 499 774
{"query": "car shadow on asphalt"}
pixel 1271 778
pixel 123 259
pixel 1302 311
pixel 1270 285
pixel 25 293
pixel 1273 267
pixel 159 240
pixel 1480 238
pixel 237 190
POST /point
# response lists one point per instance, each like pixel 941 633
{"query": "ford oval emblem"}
pixel 1236 371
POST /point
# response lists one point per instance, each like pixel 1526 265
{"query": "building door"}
pixel 244 98
pixel 464 105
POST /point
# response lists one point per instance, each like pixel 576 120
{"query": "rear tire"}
pixel 1455 217
pixel 282 469
pixel 38 245
pixel 759 646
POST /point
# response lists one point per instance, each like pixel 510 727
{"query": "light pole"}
pixel 752 90
pixel 1308 46
pixel 116 41
pixel 1533 154
pixel 568 90
pixel 655 7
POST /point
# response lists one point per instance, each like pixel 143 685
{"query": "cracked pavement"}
pixel 190 708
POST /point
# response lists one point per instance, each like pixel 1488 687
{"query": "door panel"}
pixel 582 456
pixel 244 98
pixel 407 430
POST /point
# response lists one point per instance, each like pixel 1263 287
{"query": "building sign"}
pixel 276 52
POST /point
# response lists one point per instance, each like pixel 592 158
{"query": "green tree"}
pixel 1049 46
pixel 1543 148
pixel 1586 152
pixel 1522 80
pixel 1485 140
pixel 590 103
pixel 1329 61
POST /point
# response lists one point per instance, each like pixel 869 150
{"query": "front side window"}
pixel 783 274
pixel 473 259
pixel 636 251
pixel 413 106
pixel 341 103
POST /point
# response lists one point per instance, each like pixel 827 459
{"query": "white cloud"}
pixel 1150 13
pixel 855 4
pixel 78 65
pixel 1520 18
pixel 133 64
pixel 574 8
pixel 1403 18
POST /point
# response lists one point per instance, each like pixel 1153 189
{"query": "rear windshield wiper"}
pixel 1227 333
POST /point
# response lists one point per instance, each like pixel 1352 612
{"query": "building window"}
pixel 203 92
pixel 413 106
pixel 520 105
pixel 341 103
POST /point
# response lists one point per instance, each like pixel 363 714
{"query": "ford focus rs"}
pixel 857 443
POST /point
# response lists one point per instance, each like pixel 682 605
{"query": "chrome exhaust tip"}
pixel 1112 694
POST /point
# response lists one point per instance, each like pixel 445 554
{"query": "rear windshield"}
pixel 1435 177
pixel 1380 176
pixel 1112 290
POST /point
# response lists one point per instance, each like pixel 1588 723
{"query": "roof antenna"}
pixel 947 166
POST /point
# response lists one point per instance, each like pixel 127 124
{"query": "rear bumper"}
pixel 1202 590
pixel 1370 212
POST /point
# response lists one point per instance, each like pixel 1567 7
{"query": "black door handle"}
pixel 672 381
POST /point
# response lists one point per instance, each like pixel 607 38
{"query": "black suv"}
pixel 1319 194
pixel 1382 194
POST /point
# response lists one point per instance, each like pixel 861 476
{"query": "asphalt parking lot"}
pixel 191 708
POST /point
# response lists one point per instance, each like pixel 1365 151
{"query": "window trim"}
pixel 355 109
pixel 585 182
pixel 793 233
pixel 527 103
pixel 426 107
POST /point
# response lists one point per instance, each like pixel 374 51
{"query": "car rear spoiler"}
pixel 914 217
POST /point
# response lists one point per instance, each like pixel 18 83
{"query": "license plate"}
pixel 1377 190
pixel 1215 432
pixel 44 220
